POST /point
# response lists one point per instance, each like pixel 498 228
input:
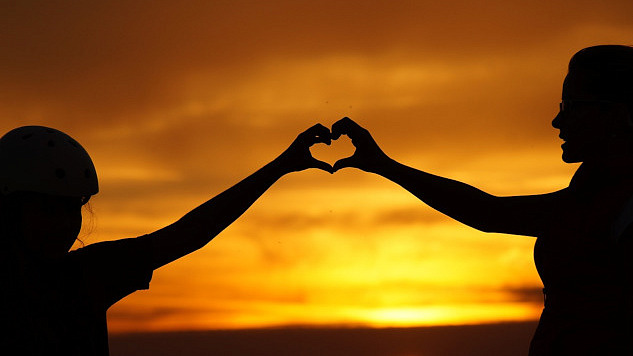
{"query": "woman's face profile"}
pixel 582 127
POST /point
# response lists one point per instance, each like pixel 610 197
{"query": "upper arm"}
pixel 519 215
pixel 526 215
pixel 177 240
pixel 114 269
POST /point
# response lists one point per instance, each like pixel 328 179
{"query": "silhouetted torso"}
pixel 586 270
pixel 59 307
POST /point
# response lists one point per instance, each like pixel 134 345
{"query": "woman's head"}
pixel 606 71
pixel 45 178
pixel 597 103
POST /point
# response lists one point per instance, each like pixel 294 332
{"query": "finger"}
pixel 344 163
pixel 322 134
pixel 344 126
pixel 341 127
pixel 317 134
pixel 322 165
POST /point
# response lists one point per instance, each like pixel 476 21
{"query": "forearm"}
pixel 217 213
pixel 458 200
pixel 519 215
pixel 202 224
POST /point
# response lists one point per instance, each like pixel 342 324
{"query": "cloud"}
pixel 113 60
pixel 186 87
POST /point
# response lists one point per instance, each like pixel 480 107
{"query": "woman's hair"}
pixel 608 70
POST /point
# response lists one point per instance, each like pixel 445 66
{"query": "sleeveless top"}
pixel 585 260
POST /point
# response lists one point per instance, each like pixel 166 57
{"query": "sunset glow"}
pixel 177 101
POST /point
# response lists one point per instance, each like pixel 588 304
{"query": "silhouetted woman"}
pixel 54 302
pixel 584 246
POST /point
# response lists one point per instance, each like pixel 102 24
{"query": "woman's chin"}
pixel 571 157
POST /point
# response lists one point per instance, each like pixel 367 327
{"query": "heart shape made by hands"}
pixel 339 149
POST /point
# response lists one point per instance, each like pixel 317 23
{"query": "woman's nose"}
pixel 557 121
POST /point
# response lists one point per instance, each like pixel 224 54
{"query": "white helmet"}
pixel 44 160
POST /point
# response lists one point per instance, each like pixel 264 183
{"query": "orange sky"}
pixel 178 100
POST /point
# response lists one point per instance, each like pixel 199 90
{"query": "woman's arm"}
pixel 521 215
pixel 201 225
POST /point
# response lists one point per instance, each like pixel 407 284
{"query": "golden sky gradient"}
pixel 178 100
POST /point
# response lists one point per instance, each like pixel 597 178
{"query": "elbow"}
pixel 485 224
pixel 484 228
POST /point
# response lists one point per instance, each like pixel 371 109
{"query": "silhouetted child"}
pixel 54 302
pixel 584 246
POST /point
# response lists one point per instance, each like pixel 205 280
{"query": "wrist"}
pixel 279 167
pixel 384 166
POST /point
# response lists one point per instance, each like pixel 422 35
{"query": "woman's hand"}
pixel 298 157
pixel 368 156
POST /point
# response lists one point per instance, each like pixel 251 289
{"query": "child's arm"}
pixel 202 224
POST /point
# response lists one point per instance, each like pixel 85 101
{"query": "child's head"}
pixel 45 178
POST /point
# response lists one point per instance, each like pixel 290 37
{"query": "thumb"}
pixel 322 165
pixel 344 163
